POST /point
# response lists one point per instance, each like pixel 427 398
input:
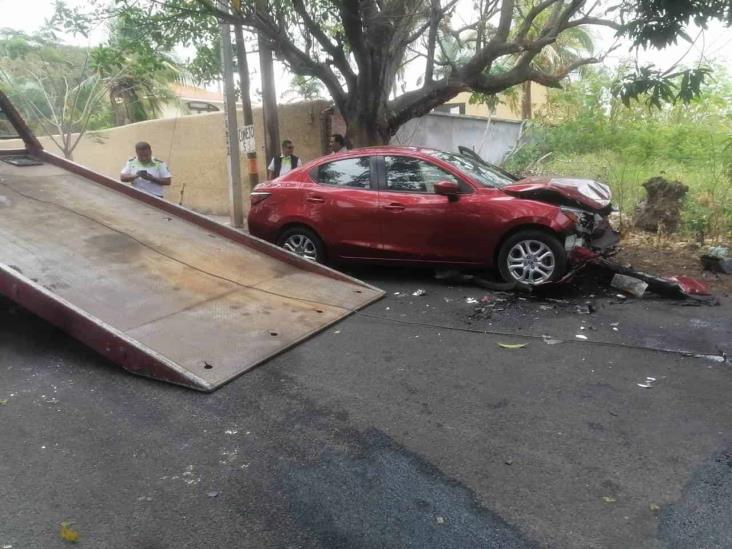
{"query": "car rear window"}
pixel 348 172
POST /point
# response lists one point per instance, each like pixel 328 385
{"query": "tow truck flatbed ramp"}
pixel 159 290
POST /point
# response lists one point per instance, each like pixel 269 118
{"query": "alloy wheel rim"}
pixel 531 262
pixel 301 245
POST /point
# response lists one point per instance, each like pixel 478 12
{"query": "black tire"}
pixel 523 258
pixel 303 242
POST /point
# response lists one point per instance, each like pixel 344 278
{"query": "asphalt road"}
pixel 405 425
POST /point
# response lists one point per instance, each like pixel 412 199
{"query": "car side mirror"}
pixel 450 189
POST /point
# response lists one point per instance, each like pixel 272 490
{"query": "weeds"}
pixel 592 135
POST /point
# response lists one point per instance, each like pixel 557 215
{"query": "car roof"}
pixel 386 149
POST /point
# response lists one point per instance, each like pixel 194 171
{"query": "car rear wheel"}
pixel 532 257
pixel 303 242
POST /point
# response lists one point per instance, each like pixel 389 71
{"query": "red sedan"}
pixel 420 206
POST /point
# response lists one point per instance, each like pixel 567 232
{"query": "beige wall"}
pixel 194 148
pixel 538 102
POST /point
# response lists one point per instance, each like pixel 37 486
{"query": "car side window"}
pixel 349 172
pixel 407 174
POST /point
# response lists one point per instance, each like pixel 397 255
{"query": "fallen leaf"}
pixel 68 533
pixel 609 499
pixel 512 345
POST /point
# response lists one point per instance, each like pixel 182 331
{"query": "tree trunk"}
pixel 365 134
pixel 526 100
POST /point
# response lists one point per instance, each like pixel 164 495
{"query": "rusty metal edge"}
pixel 106 340
pixel 32 144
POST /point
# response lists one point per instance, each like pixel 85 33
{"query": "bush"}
pixel 588 133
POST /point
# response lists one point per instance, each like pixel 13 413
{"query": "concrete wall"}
pixel 447 131
pixel 194 148
pixel 504 109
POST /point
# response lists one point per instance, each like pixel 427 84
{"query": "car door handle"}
pixel 394 206
pixel 316 199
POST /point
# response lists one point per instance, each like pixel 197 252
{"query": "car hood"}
pixel 565 191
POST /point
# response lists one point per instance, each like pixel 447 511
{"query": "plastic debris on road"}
pixel 714 358
pixel 471 300
pixel 581 336
pixel 634 286
pixel 419 293
pixel 512 345
pixel 649 383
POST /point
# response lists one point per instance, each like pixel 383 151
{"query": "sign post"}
pixel 227 66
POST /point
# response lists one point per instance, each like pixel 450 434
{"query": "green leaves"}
pixel 656 88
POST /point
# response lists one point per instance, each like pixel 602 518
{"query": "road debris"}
pixel 440 520
pixel 649 383
pixel 3 402
pixel 551 340
pixel 581 336
pixel 213 494
pixel 512 345
pixel 419 293
pixel 67 533
pixel 717 260
pixel 471 300
pixel 714 358
pixel 654 508
pixel 634 286
pixel 609 499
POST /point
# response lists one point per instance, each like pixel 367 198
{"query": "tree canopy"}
pixel 358 49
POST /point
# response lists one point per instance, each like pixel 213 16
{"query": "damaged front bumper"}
pixel 603 243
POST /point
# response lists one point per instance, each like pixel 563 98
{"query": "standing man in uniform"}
pixel 145 172
pixel 284 163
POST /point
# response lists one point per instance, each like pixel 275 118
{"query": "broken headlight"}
pixel 584 221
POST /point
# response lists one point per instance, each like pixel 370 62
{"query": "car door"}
pixel 343 204
pixel 417 224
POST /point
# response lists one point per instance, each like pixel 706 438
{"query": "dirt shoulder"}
pixel 669 257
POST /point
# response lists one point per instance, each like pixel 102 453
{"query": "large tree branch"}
pixel 599 21
pixel 336 52
pixel 431 40
pixel 529 18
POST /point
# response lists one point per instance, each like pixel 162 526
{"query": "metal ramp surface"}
pixel 159 290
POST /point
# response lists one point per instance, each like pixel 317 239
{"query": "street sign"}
pixel 246 139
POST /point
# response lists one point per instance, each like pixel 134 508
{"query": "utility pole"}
pixel 269 95
pixel 232 134
pixel 246 102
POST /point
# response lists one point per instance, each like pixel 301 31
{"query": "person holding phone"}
pixel 146 173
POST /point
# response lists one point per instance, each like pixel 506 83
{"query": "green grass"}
pixel 707 212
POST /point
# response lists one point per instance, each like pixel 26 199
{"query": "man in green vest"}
pixel 146 173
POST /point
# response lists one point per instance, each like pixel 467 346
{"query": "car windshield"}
pixel 481 173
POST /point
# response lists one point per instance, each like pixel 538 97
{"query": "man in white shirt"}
pixel 284 163
pixel 337 143
pixel 145 172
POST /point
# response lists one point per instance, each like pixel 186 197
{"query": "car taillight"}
pixel 258 196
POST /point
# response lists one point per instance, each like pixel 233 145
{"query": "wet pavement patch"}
pixel 702 517
pixel 382 495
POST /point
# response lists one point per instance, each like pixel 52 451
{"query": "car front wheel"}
pixel 303 242
pixel 532 257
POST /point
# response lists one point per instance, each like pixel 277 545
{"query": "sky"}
pixel 712 45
